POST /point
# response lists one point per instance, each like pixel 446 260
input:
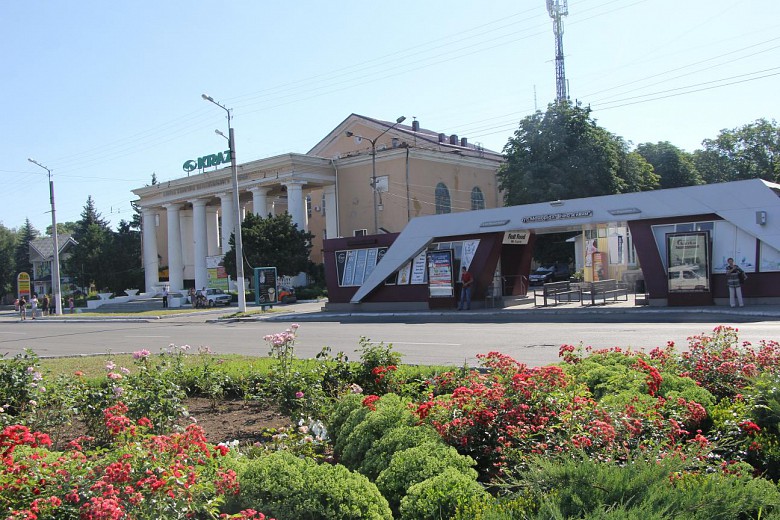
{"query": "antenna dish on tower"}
pixel 557 9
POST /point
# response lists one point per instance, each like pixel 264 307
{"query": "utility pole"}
pixel 558 9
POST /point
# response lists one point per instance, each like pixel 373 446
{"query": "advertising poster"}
pixel 440 279
pixel 404 273
pixel 265 281
pixel 689 261
pixel 418 268
pixel 599 269
pixel 218 278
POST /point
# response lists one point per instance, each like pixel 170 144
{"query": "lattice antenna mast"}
pixel 558 9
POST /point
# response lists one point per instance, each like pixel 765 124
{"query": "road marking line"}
pixel 17 333
pixel 147 336
pixel 412 343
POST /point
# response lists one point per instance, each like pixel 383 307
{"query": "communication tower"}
pixel 558 9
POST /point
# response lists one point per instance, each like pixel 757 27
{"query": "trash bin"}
pixel 639 287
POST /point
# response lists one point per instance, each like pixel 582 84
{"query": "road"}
pixel 420 342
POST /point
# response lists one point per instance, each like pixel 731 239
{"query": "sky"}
pixel 107 94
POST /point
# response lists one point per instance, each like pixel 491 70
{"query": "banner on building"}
pixel 440 276
pixel 218 277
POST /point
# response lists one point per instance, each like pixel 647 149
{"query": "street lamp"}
pixel 236 208
pixel 55 266
pixel 373 164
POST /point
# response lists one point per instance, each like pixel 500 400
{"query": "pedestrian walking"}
pixel 45 305
pixel 22 308
pixel 71 304
pixel 735 277
pixel 165 297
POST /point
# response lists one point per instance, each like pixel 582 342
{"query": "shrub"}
pixel 670 487
pixel 390 411
pixel 285 486
pixel 340 416
pixel 414 465
pixel 378 362
pixel 378 457
pixel 438 497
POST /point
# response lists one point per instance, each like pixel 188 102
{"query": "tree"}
pixel 674 166
pixel 22 254
pixel 637 173
pixel 63 228
pixel 273 241
pixel 7 261
pixel 90 256
pixel 564 154
pixel 749 152
pixel 122 259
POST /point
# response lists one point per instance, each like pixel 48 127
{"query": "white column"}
pixel 295 203
pixel 151 262
pixel 175 262
pixel 260 201
pixel 200 242
pixel 212 230
pixel 331 215
pixel 226 211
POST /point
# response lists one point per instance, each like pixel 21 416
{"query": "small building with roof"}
pixel 674 241
pixel 41 258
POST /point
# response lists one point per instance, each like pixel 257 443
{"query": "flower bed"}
pixel 661 434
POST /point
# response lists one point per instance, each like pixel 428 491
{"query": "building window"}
pixel 477 199
pixel 322 207
pixel 308 206
pixel 443 204
pixel 360 233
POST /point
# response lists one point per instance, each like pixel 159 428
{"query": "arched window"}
pixel 443 204
pixel 477 199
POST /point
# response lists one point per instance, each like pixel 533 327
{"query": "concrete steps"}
pixel 131 307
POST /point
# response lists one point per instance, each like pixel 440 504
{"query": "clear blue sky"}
pixel 107 93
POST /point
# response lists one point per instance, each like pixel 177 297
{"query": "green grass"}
pixel 95 366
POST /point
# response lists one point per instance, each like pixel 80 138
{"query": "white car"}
pixel 217 297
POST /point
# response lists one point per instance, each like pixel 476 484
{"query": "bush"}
pixel 438 497
pixel 414 465
pixel 396 439
pixel 342 413
pixel 644 487
pixel 390 411
pixel 286 487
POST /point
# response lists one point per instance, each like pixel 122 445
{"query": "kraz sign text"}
pixel 206 161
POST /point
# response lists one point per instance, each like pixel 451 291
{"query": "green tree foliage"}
pixel 7 261
pixel 272 241
pixel 674 166
pixel 89 257
pixel 63 228
pixel 123 255
pixel 564 154
pixel 22 253
pixel 748 152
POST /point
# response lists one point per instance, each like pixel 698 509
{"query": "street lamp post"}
pixel 373 164
pixel 55 265
pixel 236 208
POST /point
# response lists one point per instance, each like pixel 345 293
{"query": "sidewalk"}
pixel 527 311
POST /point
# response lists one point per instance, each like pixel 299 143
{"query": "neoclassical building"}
pixel 366 177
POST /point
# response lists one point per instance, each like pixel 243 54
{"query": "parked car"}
pixel 287 295
pixel 217 297
pixel 551 273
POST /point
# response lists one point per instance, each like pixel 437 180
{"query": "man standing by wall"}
pixel 465 292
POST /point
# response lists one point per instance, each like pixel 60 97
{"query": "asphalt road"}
pixel 418 339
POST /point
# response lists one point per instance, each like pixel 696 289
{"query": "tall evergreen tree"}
pixel 88 262
pixel 22 254
pixel 8 272
pixel 123 254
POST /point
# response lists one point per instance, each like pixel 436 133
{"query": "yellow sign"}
pixel 23 285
